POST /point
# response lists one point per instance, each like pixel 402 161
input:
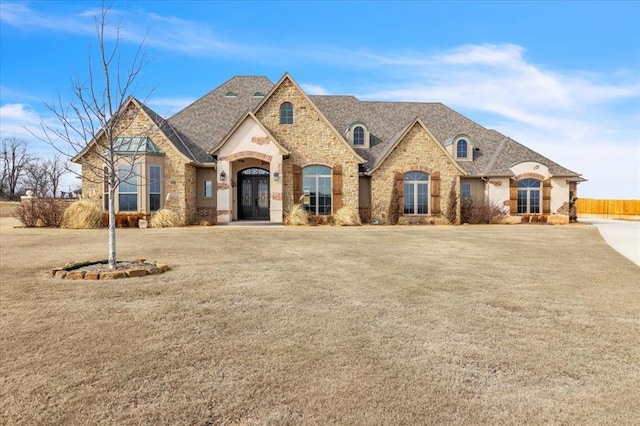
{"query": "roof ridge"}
pixel 496 154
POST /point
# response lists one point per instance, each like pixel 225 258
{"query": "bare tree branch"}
pixel 101 113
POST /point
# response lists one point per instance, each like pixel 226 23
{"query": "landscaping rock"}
pixel 92 275
pixel 61 274
pixel 75 275
pixel 137 273
pixel 163 266
pixel 113 275
pixel 154 270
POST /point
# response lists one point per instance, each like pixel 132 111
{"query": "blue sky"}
pixel 562 77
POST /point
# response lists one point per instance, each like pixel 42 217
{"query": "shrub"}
pixel 452 206
pixel 26 213
pixel 133 219
pixel 82 215
pixel 347 216
pixel 164 218
pixel 40 212
pixel 476 212
pixel 296 215
pixel 50 211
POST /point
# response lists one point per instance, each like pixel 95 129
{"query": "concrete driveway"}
pixel 622 235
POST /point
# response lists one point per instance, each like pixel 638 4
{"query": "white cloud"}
pixel 134 26
pixel 23 122
pixel 15 119
pixel 314 89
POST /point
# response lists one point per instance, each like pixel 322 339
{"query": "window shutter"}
pixel 513 197
pixel 337 187
pixel 435 193
pixel 297 183
pixel 546 196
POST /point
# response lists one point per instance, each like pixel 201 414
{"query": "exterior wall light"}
pixel 276 176
pixel 223 176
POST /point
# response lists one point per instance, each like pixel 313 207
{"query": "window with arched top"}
pixel 286 113
pixel 529 196
pixel 462 149
pixel 416 193
pixel 316 184
pixel 358 136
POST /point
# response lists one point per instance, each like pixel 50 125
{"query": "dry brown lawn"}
pixel 8 208
pixel 398 325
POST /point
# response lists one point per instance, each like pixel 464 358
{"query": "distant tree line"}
pixel 21 171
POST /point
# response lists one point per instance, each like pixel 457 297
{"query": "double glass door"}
pixel 253 194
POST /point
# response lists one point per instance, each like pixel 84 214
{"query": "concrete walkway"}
pixel 622 235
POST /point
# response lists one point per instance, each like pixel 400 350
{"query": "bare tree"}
pixel 55 169
pixel 101 112
pixel 15 161
pixel 37 178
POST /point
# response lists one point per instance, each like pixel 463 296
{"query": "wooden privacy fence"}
pixel 612 208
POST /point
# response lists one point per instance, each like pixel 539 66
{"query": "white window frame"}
pixel 415 185
pixel 313 181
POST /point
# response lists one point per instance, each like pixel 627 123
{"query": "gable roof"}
pixel 155 118
pixel 386 120
pixel 205 122
pixel 250 116
pixel 339 135
pixel 399 136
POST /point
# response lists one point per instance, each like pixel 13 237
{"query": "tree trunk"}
pixel 112 227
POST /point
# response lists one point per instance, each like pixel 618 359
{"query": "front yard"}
pixel 322 325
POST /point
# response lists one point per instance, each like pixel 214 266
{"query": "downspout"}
pixel 487 188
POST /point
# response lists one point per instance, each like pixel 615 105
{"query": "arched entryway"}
pixel 253 194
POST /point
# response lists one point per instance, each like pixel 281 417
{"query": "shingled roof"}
pixel 204 123
pixel 385 120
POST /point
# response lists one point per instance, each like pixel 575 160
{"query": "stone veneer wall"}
pixel 179 179
pixel 417 151
pixel 310 140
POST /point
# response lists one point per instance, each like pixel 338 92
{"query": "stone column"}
pixel 275 208
pixel 223 192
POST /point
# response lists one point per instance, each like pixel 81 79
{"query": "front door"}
pixel 253 194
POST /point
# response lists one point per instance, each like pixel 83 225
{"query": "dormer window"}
pixel 462 149
pixel 286 113
pixel 258 95
pixel 230 95
pixel 358 135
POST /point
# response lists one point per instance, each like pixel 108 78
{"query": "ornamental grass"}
pixel 347 216
pixel 82 215
pixel 165 218
pixel 296 215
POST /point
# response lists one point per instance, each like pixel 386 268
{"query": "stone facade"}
pixel 178 178
pixel 251 136
pixel 417 151
pixel 310 140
